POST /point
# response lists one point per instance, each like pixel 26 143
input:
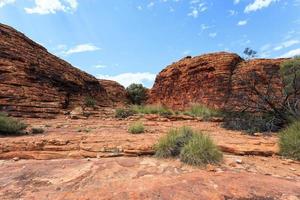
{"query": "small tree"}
pixel 250 53
pixel 137 93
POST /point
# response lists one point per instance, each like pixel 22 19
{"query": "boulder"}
pixel 116 92
pixel 213 80
pixel 35 83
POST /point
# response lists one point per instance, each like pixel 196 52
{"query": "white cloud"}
pixel 186 52
pixel 52 6
pixel 81 48
pixel 139 7
pixel 100 66
pixel 5 2
pixel 150 5
pixel 128 78
pixel 242 23
pixel 291 53
pixel 257 5
pixel 286 44
pixel 212 35
pixel 236 1
pixel 197 7
pixel 232 12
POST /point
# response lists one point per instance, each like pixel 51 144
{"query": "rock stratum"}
pixel 218 80
pixel 35 83
pixel 116 92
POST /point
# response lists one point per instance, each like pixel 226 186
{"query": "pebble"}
pixel 238 161
pixel 16 159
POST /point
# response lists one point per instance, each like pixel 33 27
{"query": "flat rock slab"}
pixel 95 137
pixel 135 178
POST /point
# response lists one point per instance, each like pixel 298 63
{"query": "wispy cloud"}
pixel 197 7
pixel 5 2
pixel 81 48
pixel 286 44
pixel 236 1
pixel 52 6
pixel 128 78
pixel 232 12
pixel 100 66
pixel 212 35
pixel 257 5
pixel 291 53
pixel 242 23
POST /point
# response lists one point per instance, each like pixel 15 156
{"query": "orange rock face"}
pixel 211 79
pixel 35 83
pixel 116 92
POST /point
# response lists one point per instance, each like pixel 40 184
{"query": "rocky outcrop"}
pixel 116 92
pixel 35 83
pixel 211 79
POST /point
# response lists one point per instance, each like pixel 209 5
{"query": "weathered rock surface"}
pixel 116 92
pixel 210 79
pixel 136 178
pixel 67 138
pixel 35 83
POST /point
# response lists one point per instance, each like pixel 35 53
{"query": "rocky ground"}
pixel 98 159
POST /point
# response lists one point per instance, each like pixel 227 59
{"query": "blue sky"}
pixel 133 40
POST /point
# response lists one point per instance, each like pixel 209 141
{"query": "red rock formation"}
pixel 35 83
pixel 210 79
pixel 116 92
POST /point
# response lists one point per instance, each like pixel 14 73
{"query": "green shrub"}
pixel 153 109
pixel 10 126
pixel 37 130
pixel 171 144
pixel 137 93
pixel 124 113
pixel 289 141
pixel 192 147
pixel 251 123
pixel 136 128
pixel 90 102
pixel 198 110
pixel 200 150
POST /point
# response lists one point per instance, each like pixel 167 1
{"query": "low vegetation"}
pixel 200 150
pixel 136 128
pixel 37 130
pixel 153 109
pixel 198 110
pixel 250 123
pixel 289 141
pixel 10 126
pixel 190 146
pixel 123 113
pixel 137 93
pixel 90 102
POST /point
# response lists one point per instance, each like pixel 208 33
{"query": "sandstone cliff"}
pixel 35 83
pixel 214 80
pixel 116 92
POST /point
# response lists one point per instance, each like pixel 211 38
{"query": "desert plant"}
pixel 251 123
pixel 200 150
pixel 37 130
pixel 122 113
pixel 136 128
pixel 10 126
pixel 250 53
pixel 289 141
pixel 137 93
pixel 171 144
pixel 198 110
pixel 90 102
pixel 152 109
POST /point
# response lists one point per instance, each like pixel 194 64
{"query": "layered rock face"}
pixel 215 80
pixel 35 83
pixel 116 92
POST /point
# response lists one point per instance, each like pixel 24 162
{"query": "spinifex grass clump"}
pixel 153 109
pixel 122 113
pixel 136 128
pixel 10 126
pixel 200 150
pixel 289 141
pixel 171 144
pixel 190 146
pixel 198 110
